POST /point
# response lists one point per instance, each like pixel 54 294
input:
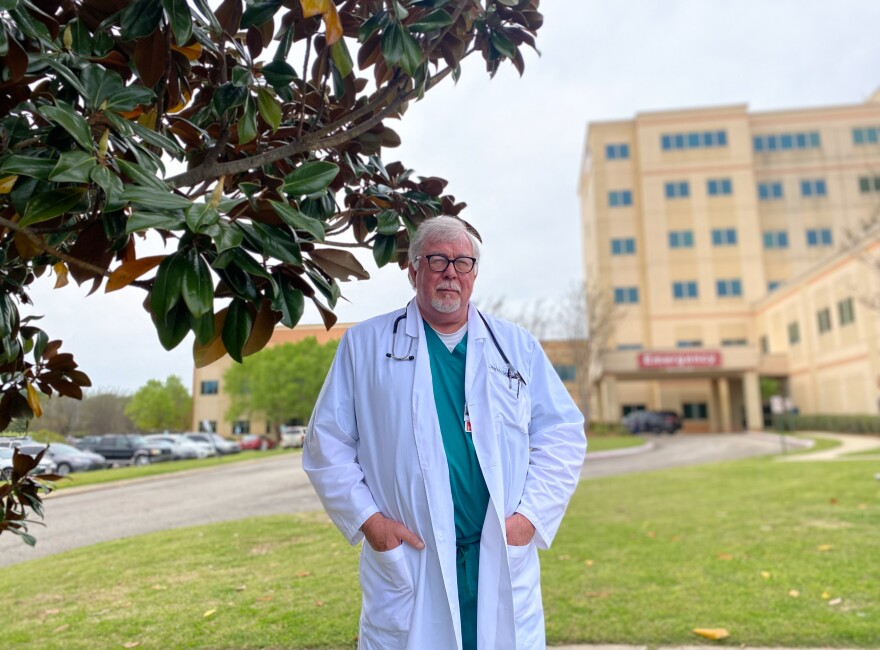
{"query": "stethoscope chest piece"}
pixel 391 355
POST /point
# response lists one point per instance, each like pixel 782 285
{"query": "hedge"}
pixel 833 423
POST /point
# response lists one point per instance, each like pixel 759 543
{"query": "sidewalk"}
pixel 849 444
pixel 676 647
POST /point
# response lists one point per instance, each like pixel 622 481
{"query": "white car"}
pixel 292 436
pixel 182 447
pixel 46 466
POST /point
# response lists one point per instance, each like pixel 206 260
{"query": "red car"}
pixel 253 441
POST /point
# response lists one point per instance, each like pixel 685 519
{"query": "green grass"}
pixel 79 479
pixel 640 559
pixel 606 443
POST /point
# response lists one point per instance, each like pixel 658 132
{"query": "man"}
pixel 446 439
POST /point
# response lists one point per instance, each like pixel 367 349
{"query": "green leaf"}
pixel 203 328
pixel 227 97
pixel 384 249
pixel 431 22
pixel 141 176
pixel 259 12
pixel 71 121
pixel 412 53
pixel 141 220
pixel 247 125
pixel 392 44
pixel 290 302
pixel 200 215
pixel 140 19
pixel 236 328
pixel 373 24
pixel 389 223
pixel 173 327
pixel 279 73
pixel 112 186
pixel 181 20
pixel 503 44
pixel 63 71
pixel 167 286
pixel 278 243
pixel 270 109
pixel 129 97
pixel 48 205
pixel 310 178
pixel 100 84
pixel 242 77
pixel 198 288
pixel 4 42
pixel 225 236
pixel 341 57
pixel 299 221
pixel 150 198
pixel 206 11
pixel 9 318
pixel 156 139
pixel 73 167
pixel 28 166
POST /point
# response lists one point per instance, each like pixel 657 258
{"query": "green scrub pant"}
pixel 467 569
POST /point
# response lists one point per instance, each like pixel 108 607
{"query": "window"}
pixel 775 239
pixel 794 333
pixel 620 198
pixel 617 151
pixel 626 295
pixel 210 387
pixel 846 312
pixel 813 188
pixel 733 343
pixel 685 290
pixel 819 237
pixel 866 135
pixel 695 410
pixel 728 288
pixel 624 246
pixel 824 318
pixel 689 343
pixel 772 285
pixel 565 372
pixel 786 141
pixel 623 347
pixel 724 237
pixel 765 345
pixel 681 239
pixel 770 191
pixel 869 184
pixel 719 187
pixel 693 140
pixel 207 426
pixel 626 409
pixel 241 427
pixel 678 190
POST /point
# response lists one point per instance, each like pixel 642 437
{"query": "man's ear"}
pixel 411 274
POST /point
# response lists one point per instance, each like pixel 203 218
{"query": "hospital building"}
pixel 735 247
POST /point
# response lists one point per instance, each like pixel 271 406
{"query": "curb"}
pixel 650 445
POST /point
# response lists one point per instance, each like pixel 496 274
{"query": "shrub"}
pixel 597 428
pixel 824 422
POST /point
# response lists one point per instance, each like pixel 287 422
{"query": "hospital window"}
pixel 719 187
pixel 794 333
pixel 566 372
pixel 207 426
pixel 689 343
pixel 693 140
pixel 624 246
pixel 819 237
pixel 695 410
pixel 787 141
pixel 733 343
pixel 626 409
pixel 866 135
pixel 728 288
pixel 770 191
pixel 618 151
pixel 869 184
pixel 620 198
pixel 846 311
pixel 823 316
pixel 775 239
pixel 678 190
pixel 772 285
pixel 210 387
pixel 681 239
pixel 685 290
pixel 241 427
pixel 724 237
pixel 765 345
pixel 813 187
pixel 626 295
pixel 623 347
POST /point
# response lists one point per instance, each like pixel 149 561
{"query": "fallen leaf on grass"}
pixel 241 587
pixel 131 644
pixel 52 611
pixel 832 501
pixel 835 602
pixel 160 587
pixel 714 633
pixel 765 575
pixel 825 595
pixel 794 593
pixel 824 547
pixel 60 628
pixel 210 612
pixel 597 594
pixel 564 557
pixel 588 562
pixel 863 506
pixel 725 556
pixel 651 534
pixel 265 599
pixel 302 574
pixel 319 603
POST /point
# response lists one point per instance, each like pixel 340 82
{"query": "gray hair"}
pixel 441 230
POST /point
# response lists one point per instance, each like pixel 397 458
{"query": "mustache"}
pixel 449 285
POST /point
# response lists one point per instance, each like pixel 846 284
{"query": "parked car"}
pixel 221 445
pixel 292 436
pixel 46 466
pixel 10 442
pixel 68 459
pixel 653 421
pixel 182 448
pixel 130 448
pixel 253 441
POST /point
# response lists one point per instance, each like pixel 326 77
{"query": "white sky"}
pixel 511 147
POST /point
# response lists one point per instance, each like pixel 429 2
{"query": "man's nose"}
pixel 450 271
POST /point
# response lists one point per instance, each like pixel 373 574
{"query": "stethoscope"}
pixel 512 373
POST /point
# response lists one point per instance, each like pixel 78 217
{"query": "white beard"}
pixel 446 306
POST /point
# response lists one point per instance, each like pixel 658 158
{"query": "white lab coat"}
pixel 374 445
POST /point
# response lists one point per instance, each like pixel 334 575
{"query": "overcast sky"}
pixel 511 147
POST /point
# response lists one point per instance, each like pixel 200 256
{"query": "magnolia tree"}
pixel 249 137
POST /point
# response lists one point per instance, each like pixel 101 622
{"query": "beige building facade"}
pixel 720 233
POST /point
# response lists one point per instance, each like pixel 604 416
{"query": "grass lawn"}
pixel 606 443
pixel 761 548
pixel 95 477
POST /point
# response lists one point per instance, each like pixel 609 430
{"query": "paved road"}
pixel 277 485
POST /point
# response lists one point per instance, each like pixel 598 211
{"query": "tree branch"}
pixel 38 242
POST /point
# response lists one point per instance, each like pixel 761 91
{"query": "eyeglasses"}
pixel 440 263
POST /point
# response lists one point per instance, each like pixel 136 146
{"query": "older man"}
pixel 445 438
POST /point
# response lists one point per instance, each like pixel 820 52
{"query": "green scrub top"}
pixel 470 496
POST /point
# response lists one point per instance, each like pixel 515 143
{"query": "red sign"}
pixel 694 359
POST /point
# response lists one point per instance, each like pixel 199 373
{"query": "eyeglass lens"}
pixel 439 263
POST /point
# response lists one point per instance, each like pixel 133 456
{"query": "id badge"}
pixel 467 420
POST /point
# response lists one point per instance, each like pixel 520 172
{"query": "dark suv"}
pixel 129 448
pixel 653 421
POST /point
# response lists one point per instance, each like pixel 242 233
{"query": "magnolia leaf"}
pixel 247 125
pixel 73 167
pixel 299 221
pixel 716 634
pixel 33 400
pixel 28 166
pixel 279 73
pixel 314 7
pixel 236 328
pixel 290 302
pixel 201 215
pixel 61 273
pixel 71 121
pixel 259 12
pixel 339 264
pixel 167 286
pixel 270 109
pixel 142 220
pixel 48 205
pixel 140 18
pixel 310 178
pixel 341 58
pixel 150 198
pixel 264 327
pixel 431 22
pixel 7 183
pixel 181 20
pixel 384 249
pixel 198 288
pixel 207 353
pixel 130 271
pixel 333 24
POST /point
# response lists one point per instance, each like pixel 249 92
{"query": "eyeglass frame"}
pixel 448 262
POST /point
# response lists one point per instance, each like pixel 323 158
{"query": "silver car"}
pixel 181 447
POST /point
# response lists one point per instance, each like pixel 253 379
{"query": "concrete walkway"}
pixel 849 444
pixel 676 647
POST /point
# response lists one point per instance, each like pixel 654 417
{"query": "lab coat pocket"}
pixel 388 592
pixel 525 580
